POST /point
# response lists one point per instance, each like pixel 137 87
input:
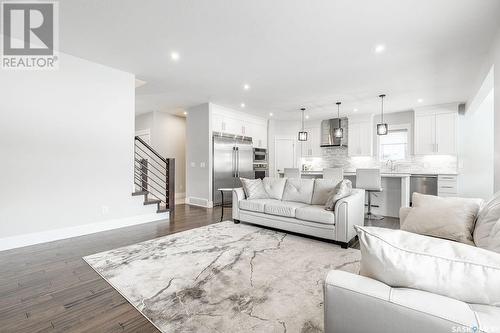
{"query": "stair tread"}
pixel 139 193
pixel 163 210
pixel 152 202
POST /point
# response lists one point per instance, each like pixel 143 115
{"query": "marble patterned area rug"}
pixel 226 277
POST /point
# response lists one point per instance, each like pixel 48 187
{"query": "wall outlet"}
pixel 202 164
pixel 105 210
pixel 193 165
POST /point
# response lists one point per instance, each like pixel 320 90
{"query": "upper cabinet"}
pixel 311 147
pixel 436 130
pixel 233 122
pixel 360 135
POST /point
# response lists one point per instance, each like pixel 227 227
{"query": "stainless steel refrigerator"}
pixel 232 158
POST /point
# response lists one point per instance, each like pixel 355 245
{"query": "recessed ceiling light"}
pixel 185 113
pixel 307 117
pixel 242 105
pixel 270 114
pixel 380 48
pixel 355 110
pixel 246 86
pixel 420 100
pixel 174 56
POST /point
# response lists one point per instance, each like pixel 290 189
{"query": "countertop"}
pixel 395 174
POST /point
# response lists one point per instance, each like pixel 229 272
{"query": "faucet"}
pixel 392 166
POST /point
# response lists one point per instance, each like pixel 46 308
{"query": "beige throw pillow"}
pixel 342 190
pixel 402 259
pixel 449 218
pixel 254 189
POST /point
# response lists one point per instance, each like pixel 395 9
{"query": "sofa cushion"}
pixel 254 188
pixel 315 213
pixel 298 190
pixel 342 190
pixel 322 190
pixel 450 218
pixel 282 208
pixel 487 228
pixel 402 259
pixel 274 187
pixel 256 205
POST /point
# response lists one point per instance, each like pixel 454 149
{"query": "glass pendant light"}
pixel 302 133
pixel 382 128
pixel 338 132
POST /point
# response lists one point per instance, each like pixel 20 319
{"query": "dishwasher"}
pixel 424 184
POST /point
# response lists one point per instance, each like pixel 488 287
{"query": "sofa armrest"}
pixel 238 195
pixel 349 211
pixel 355 303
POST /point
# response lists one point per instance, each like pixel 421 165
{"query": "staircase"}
pixel 154 177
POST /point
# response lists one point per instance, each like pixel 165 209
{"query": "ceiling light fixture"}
pixel 307 116
pixel 355 110
pixel 246 86
pixel 382 128
pixel 185 113
pixel 271 114
pixel 380 48
pixel 174 56
pixel 338 132
pixel 242 105
pixel 302 133
pixel 420 100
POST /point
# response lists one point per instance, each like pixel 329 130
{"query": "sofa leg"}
pixel 236 221
pixel 344 245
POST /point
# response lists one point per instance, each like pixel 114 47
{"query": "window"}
pixel 394 145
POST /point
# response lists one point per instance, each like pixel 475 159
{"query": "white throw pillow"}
pixel 274 187
pixel 487 228
pixel 298 190
pixel 450 218
pixel 323 188
pixel 254 189
pixel 402 259
pixel 342 190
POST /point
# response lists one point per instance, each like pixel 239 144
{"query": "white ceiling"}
pixel 292 53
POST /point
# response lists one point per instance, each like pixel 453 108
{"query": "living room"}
pixel 258 166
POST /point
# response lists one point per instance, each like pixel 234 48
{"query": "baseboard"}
pixel 200 202
pixel 17 241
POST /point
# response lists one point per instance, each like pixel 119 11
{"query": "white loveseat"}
pixel 306 213
pixel 356 304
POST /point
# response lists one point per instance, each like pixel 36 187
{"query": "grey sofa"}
pixel 302 216
pixel 355 303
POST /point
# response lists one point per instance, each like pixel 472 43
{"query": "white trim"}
pixel 58 234
pixel 397 127
pixel 206 203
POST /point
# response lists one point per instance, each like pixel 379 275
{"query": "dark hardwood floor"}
pixel 49 288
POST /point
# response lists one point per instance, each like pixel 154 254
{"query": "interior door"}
pixel 284 156
pixel 223 167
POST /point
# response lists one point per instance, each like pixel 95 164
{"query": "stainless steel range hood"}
pixel 327 137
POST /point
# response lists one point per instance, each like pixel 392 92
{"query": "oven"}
pixel 260 170
pixel 259 155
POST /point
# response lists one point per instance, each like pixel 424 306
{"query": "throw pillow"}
pixel 298 190
pixel 450 218
pixel 402 259
pixel 487 228
pixel 323 189
pixel 342 190
pixel 254 189
pixel 274 187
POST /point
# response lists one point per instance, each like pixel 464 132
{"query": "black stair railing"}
pixel 154 176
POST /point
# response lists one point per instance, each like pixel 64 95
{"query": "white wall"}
pixel 199 156
pixel 476 144
pixel 66 141
pixel 168 137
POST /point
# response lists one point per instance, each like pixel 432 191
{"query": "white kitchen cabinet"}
pixel 233 122
pixel 436 130
pixel 311 147
pixel 447 186
pixel 360 136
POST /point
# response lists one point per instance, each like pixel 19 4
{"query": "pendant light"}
pixel 302 133
pixel 382 128
pixel 338 132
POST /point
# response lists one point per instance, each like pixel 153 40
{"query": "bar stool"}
pixel 370 181
pixel 333 173
pixel 292 173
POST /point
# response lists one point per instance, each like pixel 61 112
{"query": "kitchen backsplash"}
pixel 337 157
